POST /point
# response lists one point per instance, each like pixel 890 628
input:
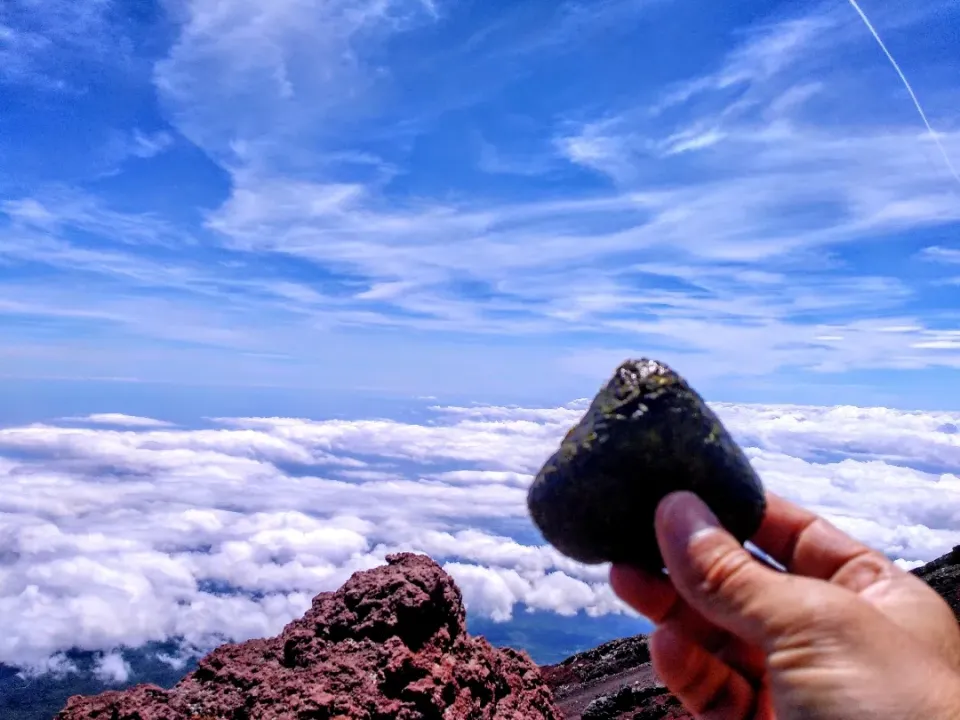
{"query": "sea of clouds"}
pixel 116 531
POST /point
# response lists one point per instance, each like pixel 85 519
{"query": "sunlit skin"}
pixel 845 634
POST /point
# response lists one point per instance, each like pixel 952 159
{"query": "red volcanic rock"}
pixel 390 644
pixel 612 682
pixel 601 663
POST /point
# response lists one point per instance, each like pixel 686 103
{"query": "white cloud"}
pixel 146 145
pixel 57 665
pixel 112 668
pixel 487 591
pixel 177 662
pixel 126 529
pixel 118 538
pixel 120 419
pixel 242 73
pixel 768 50
pixel 938 253
pixel 732 175
pixel 770 197
pixel 39 223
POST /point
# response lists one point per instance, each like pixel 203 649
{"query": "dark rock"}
pixel 646 434
pixel 636 702
pixel 600 663
pixel 943 575
pixel 391 643
pixel 610 682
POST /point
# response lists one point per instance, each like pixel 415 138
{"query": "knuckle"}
pixel 863 570
pixel 695 676
pixel 705 686
pixel 719 699
pixel 726 572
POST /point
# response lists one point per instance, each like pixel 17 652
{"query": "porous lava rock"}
pixel 943 575
pixel 391 644
pixel 614 681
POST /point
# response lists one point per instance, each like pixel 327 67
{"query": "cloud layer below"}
pixel 118 537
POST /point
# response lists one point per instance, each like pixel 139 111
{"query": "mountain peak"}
pixel 390 643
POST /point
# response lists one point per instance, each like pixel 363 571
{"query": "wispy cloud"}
pixel 119 419
pixel 243 73
pixel 938 253
pixel 58 209
pixel 37 47
pixel 768 50
pixel 741 213
pixel 416 198
pixel 137 144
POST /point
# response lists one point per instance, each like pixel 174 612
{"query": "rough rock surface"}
pixel 943 575
pixel 612 682
pixel 646 434
pixel 390 644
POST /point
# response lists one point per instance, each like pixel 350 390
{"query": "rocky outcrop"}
pixel 602 662
pixel 943 575
pixel 390 644
pixel 612 682
pixel 637 702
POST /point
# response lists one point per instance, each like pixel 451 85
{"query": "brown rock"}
pixel 612 682
pixel 391 643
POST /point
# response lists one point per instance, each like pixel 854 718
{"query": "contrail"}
pixel 906 84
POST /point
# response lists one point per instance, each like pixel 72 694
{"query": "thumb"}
pixel 713 572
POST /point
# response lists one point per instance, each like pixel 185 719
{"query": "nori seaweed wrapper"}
pixel 646 434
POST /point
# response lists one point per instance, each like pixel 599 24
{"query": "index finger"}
pixel 805 543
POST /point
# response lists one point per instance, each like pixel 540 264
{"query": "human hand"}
pixel 845 634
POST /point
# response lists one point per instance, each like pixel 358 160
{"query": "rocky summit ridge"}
pixel 392 643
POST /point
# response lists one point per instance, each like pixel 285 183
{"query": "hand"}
pixel 845 634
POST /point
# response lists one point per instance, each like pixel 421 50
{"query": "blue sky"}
pixel 481 199
pixel 235 233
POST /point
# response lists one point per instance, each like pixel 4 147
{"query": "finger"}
pixel 655 597
pixel 706 686
pixel 914 606
pixel 717 577
pixel 807 544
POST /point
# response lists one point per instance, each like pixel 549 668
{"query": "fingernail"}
pixel 685 516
